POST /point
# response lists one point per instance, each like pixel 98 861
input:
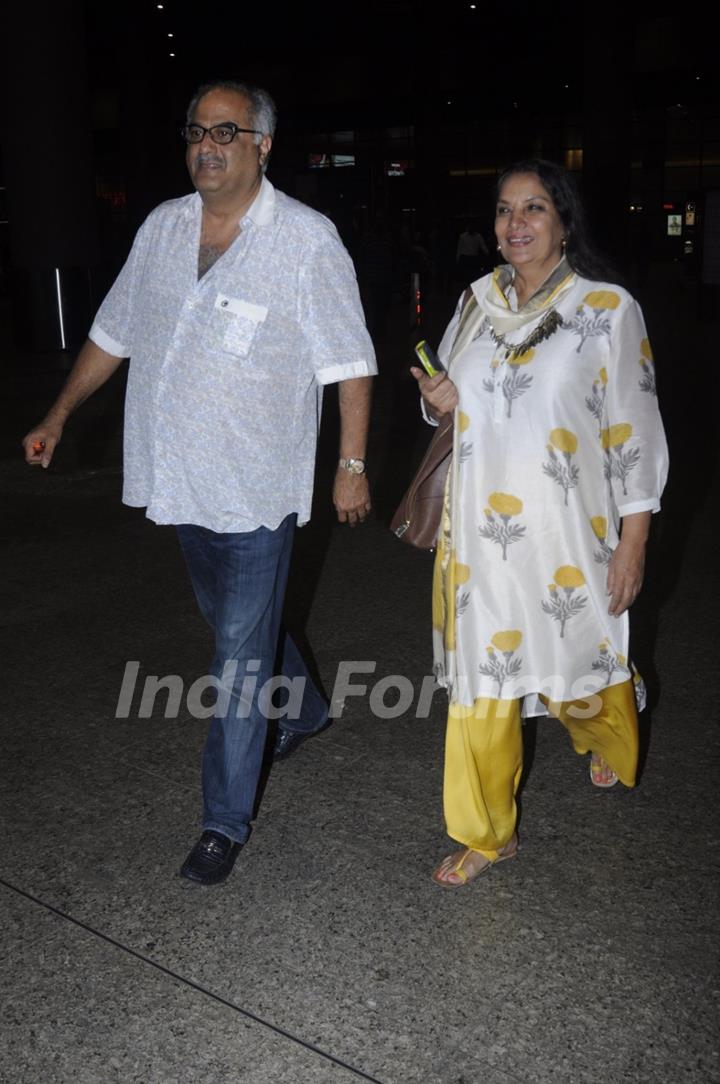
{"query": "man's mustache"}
pixel 208 160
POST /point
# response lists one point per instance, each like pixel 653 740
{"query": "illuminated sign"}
pixel 398 168
pixel 324 161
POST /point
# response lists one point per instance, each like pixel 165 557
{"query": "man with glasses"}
pixel 236 306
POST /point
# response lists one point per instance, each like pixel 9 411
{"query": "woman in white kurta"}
pixel 559 461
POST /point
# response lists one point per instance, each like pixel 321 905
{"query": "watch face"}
pixel 355 466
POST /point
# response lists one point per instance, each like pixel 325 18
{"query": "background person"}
pixel 236 305
pixel 472 255
pixel 559 461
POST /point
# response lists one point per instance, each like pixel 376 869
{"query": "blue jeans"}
pixel 239 581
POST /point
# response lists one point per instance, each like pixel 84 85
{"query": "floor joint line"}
pixel 189 982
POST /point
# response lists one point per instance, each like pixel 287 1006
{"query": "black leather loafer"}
pixel 211 860
pixel 287 741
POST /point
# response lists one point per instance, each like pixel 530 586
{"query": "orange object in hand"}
pixel 38 446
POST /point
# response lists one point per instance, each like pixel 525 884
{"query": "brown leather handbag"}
pixel 417 519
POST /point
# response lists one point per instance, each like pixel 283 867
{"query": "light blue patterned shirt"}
pixel 226 372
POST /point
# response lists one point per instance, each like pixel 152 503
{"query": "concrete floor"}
pixel 329 955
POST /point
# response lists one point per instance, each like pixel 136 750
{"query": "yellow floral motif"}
pixel 507 641
pixel 501 531
pixel 616 435
pixel 595 401
pixel 604 554
pixel 460 572
pixel 599 526
pixel 463 421
pixel 647 382
pixel 515 382
pixel 566 474
pixel 602 299
pixel 608 662
pixel 618 461
pixel 448 575
pixel 562 607
pixel 591 319
pixel 564 440
pixel 569 576
pixel 505 504
pixel 500 670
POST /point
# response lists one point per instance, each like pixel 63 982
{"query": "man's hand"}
pixel 40 444
pixel 351 496
pixel 351 493
pixel 439 392
pixel 93 366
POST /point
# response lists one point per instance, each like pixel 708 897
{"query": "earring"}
pixel 564 244
pixel 498 247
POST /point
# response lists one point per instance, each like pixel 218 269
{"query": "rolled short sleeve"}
pixel 338 344
pixel 633 438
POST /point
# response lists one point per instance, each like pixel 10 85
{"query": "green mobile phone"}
pixel 428 359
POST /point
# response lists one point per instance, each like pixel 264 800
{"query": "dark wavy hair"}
pixel 581 253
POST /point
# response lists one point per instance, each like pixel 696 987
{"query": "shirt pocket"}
pixel 237 323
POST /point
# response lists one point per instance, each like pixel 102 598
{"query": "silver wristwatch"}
pixel 355 466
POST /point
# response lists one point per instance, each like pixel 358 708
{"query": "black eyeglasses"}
pixel 219 133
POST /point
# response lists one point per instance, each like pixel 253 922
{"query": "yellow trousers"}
pixel 484 757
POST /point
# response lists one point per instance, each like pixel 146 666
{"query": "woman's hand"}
pixel 627 564
pixel 439 392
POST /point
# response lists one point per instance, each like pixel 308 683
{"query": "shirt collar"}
pixel 260 212
pixel 262 208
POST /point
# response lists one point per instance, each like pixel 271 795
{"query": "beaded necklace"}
pixel 547 327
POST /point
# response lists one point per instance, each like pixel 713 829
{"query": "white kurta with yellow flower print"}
pixel 552 448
